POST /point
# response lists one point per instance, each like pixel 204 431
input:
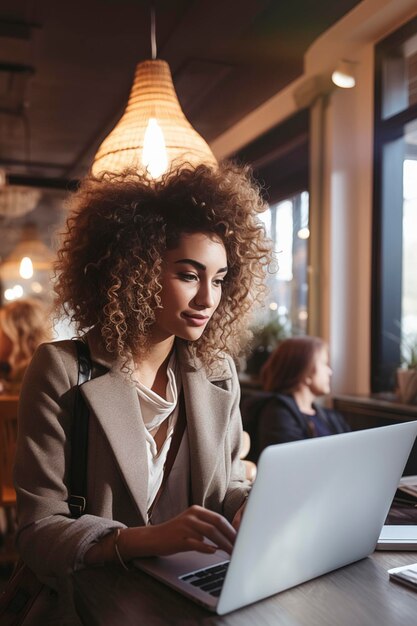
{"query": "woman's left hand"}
pixel 238 515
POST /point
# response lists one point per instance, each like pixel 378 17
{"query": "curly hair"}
pixel 110 262
pixel 289 364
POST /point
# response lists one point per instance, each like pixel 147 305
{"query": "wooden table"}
pixel 359 594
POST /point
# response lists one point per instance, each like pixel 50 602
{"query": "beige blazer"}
pixel 54 544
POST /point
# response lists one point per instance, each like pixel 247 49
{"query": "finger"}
pixel 213 534
pixel 216 520
pixel 236 521
pixel 201 546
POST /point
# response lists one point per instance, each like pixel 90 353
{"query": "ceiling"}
pixel 66 69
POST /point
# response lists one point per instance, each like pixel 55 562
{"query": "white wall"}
pixel 341 269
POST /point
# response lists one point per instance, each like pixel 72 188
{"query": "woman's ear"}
pixel 308 380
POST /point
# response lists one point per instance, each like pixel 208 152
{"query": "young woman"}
pixel 160 277
pixel 296 373
pixel 23 327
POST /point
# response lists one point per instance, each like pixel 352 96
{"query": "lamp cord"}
pixel 153 34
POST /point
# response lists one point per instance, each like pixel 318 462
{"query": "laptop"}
pixel 398 537
pixel 316 505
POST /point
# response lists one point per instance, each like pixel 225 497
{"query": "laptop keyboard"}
pixel 209 579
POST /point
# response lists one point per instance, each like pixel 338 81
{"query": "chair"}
pixel 8 435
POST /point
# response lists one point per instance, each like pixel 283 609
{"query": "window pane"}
pixel 399 72
pixel 409 260
pixel 288 226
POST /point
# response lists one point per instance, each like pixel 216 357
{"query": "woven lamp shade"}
pixel 153 120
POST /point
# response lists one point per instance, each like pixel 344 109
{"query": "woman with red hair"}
pixel 297 373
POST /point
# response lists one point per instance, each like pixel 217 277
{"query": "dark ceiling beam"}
pixel 34 164
pixel 17 29
pixel 17 68
pixel 42 182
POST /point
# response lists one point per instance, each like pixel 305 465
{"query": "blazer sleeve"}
pixel 238 487
pixel 278 424
pixel 41 468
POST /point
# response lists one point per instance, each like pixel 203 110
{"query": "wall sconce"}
pixel 344 74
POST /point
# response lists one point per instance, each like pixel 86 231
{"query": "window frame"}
pixel 387 234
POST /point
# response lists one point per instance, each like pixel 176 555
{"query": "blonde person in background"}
pixel 23 327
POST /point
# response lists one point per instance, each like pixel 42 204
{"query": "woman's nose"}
pixel 204 297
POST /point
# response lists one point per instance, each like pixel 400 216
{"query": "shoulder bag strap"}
pixel 79 439
pixel 172 452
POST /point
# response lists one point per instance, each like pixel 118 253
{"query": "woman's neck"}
pixel 151 369
pixel 304 399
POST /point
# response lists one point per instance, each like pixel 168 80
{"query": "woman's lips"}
pixel 195 319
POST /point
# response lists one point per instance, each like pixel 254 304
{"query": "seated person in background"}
pixel 296 373
pixel 23 326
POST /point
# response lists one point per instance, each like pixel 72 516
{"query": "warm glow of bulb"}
pixel 343 80
pixel 303 233
pixel 36 287
pixel 26 267
pixel 154 155
pixel 273 306
pixel 13 293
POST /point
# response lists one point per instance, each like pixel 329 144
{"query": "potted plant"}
pixel 266 336
pixel 407 373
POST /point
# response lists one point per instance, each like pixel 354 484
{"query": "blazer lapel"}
pixel 206 410
pixel 115 405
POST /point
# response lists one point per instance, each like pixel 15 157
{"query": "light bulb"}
pixel 343 80
pixel 303 233
pixel 14 293
pixel 26 267
pixel 154 155
pixel 344 74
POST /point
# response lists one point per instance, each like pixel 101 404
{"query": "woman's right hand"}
pixel 196 528
pixel 190 530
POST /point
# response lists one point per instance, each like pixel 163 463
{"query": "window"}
pixel 394 302
pixel 288 226
pixel 280 162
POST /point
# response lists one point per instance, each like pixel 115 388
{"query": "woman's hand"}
pixel 238 516
pixel 196 528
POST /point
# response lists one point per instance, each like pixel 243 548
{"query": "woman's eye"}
pixel 188 277
pixel 218 282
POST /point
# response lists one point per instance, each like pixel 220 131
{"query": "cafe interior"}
pixel 318 98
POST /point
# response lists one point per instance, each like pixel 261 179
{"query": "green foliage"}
pixel 409 351
pixel 269 334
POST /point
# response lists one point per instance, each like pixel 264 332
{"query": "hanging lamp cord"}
pixel 153 34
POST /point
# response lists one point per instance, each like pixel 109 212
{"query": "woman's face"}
pixel 191 280
pixel 320 378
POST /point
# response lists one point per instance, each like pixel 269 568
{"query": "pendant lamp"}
pixel 153 132
pixel 27 269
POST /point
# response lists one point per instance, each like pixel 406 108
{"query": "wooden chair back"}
pixel 8 436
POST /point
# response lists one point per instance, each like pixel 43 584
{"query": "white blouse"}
pixel 155 410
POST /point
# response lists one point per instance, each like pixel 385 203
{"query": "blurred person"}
pixel 24 326
pixel 295 375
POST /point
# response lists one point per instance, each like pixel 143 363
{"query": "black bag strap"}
pixel 79 440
